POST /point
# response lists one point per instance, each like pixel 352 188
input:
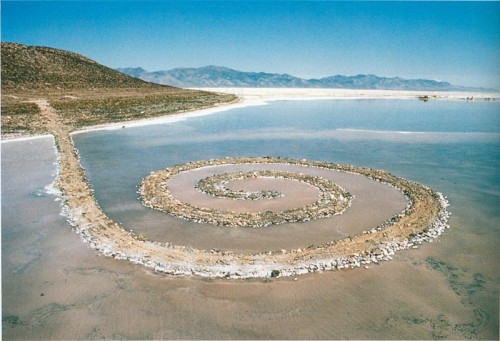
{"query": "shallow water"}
pixel 447 289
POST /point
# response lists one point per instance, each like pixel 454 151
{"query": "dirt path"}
pixel 425 220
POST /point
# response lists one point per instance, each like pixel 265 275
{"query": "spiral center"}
pixel 219 186
pixel 245 195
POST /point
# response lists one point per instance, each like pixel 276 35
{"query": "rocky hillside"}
pixel 83 91
pixel 217 76
pixel 37 67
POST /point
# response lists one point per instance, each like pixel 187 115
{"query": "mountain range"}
pixel 218 76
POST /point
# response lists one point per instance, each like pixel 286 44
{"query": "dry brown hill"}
pixel 37 67
pixel 83 91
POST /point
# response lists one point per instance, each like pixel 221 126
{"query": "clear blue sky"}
pixel 454 41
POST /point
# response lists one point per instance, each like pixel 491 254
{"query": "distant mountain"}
pixel 217 76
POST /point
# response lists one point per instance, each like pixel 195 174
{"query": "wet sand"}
pixel 421 294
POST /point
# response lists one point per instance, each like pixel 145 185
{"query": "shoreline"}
pixel 262 96
pixel 17 138
pixel 277 94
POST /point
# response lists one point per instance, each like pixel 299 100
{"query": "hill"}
pixel 39 68
pixel 217 76
pixel 83 91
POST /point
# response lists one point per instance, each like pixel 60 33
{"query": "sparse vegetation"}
pixel 20 117
pixel 92 111
pixel 37 68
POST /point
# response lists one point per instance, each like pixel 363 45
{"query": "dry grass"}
pixel 93 111
pixel 20 117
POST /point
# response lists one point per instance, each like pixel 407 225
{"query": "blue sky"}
pixel 453 41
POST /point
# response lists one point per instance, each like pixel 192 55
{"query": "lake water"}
pixel 439 144
pixel 447 289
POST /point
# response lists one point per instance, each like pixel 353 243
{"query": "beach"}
pixel 238 300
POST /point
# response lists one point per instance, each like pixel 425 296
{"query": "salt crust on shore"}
pixel 25 138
